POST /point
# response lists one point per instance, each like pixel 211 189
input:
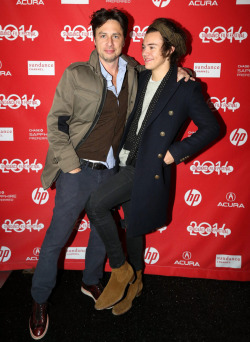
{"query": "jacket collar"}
pixel 167 93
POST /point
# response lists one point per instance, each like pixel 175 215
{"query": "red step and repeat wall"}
pixel 209 235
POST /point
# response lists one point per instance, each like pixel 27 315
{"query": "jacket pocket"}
pixel 85 104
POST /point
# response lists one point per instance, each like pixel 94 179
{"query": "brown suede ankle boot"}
pixel 114 291
pixel 134 290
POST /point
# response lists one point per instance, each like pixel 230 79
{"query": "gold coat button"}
pixel 171 112
pixel 157 176
pixel 162 134
pixel 160 155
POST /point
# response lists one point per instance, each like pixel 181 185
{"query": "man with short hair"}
pixel 85 124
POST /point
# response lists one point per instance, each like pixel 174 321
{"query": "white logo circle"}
pixel 36 251
pixel 193 197
pixel 161 3
pixel 151 255
pixel 231 197
pixel 5 254
pixel 238 137
pixel 186 255
pixel 40 196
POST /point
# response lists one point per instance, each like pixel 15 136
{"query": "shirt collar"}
pixel 122 64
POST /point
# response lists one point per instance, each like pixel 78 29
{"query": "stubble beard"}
pixel 110 59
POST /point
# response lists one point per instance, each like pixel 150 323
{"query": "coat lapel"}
pixel 167 93
pixel 143 79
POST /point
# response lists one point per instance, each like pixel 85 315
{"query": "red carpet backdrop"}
pixel 208 235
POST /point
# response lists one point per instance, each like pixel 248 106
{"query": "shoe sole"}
pixel 121 313
pixel 88 293
pixel 128 308
pixel 45 331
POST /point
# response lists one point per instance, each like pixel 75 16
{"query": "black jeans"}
pixel 115 191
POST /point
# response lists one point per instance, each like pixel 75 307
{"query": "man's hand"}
pixel 182 73
pixel 168 159
pixel 75 170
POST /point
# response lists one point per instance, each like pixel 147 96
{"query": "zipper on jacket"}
pixel 132 88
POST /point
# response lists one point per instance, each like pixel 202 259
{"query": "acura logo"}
pixel 36 251
pixel 230 196
pixel 186 255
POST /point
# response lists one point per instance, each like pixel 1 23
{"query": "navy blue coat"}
pixel 178 102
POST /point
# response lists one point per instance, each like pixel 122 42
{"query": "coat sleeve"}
pixel 203 118
pixel 57 124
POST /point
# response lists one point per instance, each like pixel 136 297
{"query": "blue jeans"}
pixel 72 193
pixel 115 191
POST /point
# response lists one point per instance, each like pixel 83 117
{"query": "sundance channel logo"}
pixel 242 2
pixel 75 253
pixel 231 261
pixel 6 134
pixel 209 70
pixel 46 68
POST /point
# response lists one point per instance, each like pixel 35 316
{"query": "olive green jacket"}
pixel 76 108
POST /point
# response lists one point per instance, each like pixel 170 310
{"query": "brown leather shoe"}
pixel 114 291
pixel 39 320
pixel 93 291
